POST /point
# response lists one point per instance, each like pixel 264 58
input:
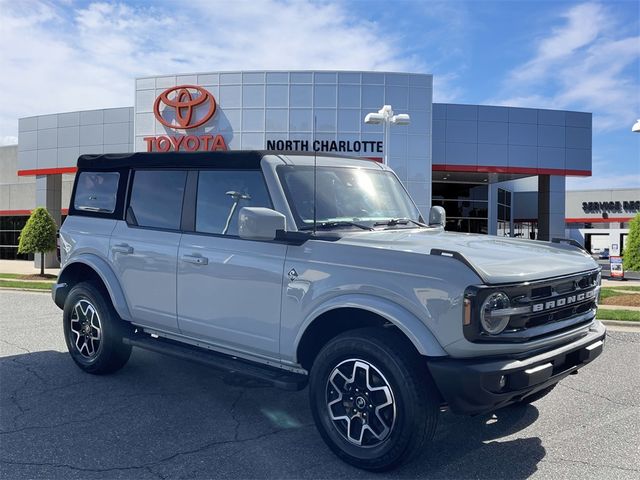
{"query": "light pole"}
pixel 386 117
pixel 636 127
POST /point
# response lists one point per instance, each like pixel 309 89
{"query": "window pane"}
pixel 253 96
pixel 349 96
pixel 325 120
pixel 277 95
pixel 277 77
pixel 252 120
pixel 461 191
pixel 300 95
pixel 277 120
pixel 156 198
pixel 463 208
pixel 466 225
pixel 221 195
pixel 97 191
pixel 300 120
pixel 325 96
pixel 349 120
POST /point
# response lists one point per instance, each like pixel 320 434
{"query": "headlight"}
pixel 492 322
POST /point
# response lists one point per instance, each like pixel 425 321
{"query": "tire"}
pixel 94 331
pixel 538 395
pixel 395 432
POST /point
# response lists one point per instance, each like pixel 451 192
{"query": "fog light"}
pixel 502 382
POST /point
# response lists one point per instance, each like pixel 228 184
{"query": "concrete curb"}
pixel 621 323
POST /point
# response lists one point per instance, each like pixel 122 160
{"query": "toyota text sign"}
pixel 185 107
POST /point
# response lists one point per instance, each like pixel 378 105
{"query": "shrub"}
pixel 631 260
pixel 38 235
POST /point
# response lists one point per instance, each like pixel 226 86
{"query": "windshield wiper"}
pixel 335 224
pixel 392 222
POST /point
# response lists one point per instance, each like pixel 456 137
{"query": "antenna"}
pixel 315 175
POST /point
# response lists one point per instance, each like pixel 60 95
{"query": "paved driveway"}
pixel 164 418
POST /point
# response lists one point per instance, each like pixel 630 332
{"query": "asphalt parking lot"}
pixel 164 418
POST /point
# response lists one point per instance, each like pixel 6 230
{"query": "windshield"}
pixel 346 194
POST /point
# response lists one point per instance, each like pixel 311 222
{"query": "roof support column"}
pixel 49 195
pixel 551 207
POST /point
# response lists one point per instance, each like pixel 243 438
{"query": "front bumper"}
pixel 59 293
pixel 473 386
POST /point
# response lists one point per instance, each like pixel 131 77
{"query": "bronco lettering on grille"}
pixel 561 302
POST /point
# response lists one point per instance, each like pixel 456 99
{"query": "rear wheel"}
pixel 372 398
pixel 93 331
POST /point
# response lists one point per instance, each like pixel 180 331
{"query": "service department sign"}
pixel 185 107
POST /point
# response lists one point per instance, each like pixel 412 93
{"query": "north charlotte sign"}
pixel 185 107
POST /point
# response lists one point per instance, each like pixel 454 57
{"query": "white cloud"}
pixel 59 57
pixel 589 63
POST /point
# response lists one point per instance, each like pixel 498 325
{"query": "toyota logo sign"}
pixel 185 107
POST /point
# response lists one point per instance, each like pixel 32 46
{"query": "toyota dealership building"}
pixel 470 159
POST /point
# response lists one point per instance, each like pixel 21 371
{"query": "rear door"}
pixel 144 248
pixel 229 289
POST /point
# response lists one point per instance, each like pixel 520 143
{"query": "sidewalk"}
pixel 24 267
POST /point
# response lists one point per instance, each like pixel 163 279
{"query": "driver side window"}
pixel 221 195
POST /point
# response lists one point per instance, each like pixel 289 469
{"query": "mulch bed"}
pixel 631 300
pixel 46 276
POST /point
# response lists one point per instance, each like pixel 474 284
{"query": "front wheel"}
pixel 372 398
pixel 93 331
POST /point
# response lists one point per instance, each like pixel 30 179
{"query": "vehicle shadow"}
pixel 161 417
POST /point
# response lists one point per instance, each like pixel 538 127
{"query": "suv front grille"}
pixel 543 308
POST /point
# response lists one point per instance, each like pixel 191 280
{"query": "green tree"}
pixel 38 235
pixel 631 260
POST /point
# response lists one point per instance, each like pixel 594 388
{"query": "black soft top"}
pixel 239 159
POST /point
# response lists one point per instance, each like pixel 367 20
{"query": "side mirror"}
pixel 259 223
pixel 437 217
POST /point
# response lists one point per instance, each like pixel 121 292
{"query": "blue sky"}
pixel 67 55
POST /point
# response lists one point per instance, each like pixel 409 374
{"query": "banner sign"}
pixel 617 271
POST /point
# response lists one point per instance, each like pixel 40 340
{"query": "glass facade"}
pixel 504 213
pixel 257 109
pixel 466 205
pixel 10 228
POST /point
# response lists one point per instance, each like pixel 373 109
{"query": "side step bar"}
pixel 274 376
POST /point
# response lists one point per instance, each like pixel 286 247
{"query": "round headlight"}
pixel 494 324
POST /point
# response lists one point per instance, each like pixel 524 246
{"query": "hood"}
pixel 496 259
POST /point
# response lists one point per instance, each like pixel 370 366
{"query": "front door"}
pixel 144 250
pixel 229 289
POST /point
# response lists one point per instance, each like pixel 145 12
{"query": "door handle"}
pixel 123 248
pixel 195 259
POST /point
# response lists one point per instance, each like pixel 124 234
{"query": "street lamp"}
pixel 636 127
pixel 386 117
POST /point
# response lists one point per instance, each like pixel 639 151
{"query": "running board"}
pixel 277 377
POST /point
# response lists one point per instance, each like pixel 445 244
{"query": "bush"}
pixel 631 260
pixel 38 235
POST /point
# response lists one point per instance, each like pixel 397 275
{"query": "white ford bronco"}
pixel 301 270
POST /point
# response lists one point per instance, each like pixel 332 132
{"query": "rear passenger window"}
pixel 221 195
pixel 156 198
pixel 97 191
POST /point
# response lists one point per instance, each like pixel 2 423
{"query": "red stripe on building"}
pixel 7 213
pixel 511 170
pixel 46 171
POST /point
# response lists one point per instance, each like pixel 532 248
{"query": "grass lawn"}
pixel 33 285
pixel 627 315
pixel 31 276
pixel 628 288
pixel 607 292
